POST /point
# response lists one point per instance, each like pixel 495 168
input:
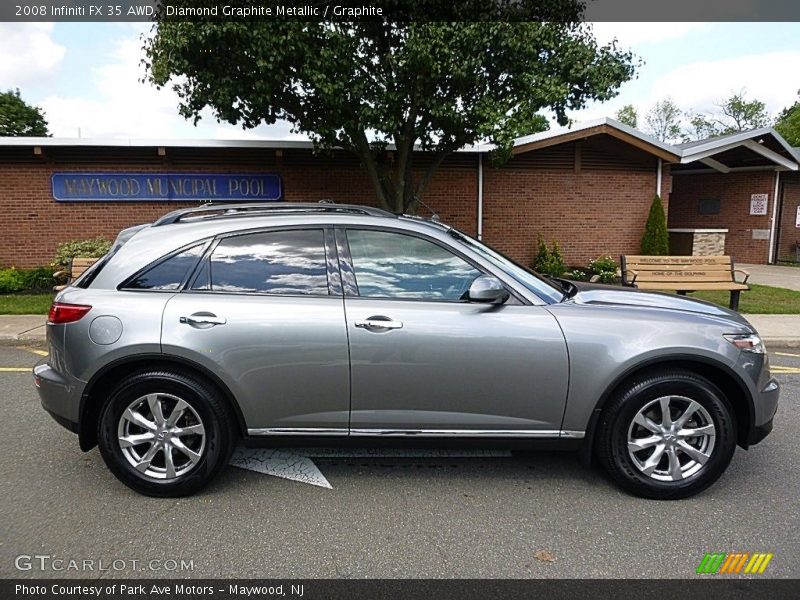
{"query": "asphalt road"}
pixel 398 517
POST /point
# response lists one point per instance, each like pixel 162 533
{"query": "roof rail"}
pixel 224 210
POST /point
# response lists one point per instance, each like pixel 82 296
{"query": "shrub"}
pixel 549 261
pixel 40 278
pixel 17 280
pixel 577 274
pixel 11 280
pixel 93 248
pixel 605 268
pixel 655 240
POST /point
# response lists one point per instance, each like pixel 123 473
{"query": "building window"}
pixel 708 206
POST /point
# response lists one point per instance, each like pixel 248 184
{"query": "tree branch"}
pixel 364 152
pixel 432 168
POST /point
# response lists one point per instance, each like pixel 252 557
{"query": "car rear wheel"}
pixel 667 435
pixel 165 433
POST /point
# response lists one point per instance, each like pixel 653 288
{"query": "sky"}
pixel 87 76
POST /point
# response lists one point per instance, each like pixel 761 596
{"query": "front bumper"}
pixel 60 394
pixel 766 405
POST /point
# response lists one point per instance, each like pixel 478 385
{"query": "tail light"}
pixel 66 313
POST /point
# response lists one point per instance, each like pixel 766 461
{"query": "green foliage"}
pixel 733 115
pixel 577 274
pixel 11 280
pixel 92 248
pixel 788 123
pixel 439 84
pixel 549 261
pixel 14 280
pixel 605 268
pixel 20 119
pixel 39 278
pixel 663 121
pixel 628 115
pixel 655 241
pixel 740 114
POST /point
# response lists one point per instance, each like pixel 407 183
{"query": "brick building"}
pixel 588 187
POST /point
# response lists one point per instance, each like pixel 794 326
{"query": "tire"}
pixel 632 431
pixel 200 441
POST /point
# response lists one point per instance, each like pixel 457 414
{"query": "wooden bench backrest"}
pixel 79 265
pixel 698 269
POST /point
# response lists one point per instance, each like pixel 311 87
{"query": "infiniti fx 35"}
pixel 346 324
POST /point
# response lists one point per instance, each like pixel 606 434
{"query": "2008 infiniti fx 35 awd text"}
pixel 342 323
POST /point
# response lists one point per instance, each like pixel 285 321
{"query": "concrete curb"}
pixel 22 329
pixel 771 343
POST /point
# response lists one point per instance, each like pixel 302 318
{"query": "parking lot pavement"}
pixel 388 517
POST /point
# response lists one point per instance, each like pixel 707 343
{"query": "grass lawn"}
pixel 760 300
pixel 25 304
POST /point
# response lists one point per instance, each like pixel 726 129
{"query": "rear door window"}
pixel 274 262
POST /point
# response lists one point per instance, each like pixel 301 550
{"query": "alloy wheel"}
pixel 671 438
pixel 161 436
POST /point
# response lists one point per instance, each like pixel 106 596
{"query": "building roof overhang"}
pixel 762 148
pixel 757 149
pixel 605 126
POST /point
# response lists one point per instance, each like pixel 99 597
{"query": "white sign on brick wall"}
pixel 797 218
pixel 758 204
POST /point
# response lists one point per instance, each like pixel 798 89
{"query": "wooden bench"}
pixel 683 274
pixel 76 268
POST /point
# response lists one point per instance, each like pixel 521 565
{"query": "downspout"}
pixel 480 196
pixel 658 179
pixel 774 218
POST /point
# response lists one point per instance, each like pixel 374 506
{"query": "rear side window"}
pixel 169 274
pixel 274 262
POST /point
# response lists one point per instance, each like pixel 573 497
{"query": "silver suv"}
pixel 347 324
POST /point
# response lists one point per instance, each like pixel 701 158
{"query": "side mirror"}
pixel 487 289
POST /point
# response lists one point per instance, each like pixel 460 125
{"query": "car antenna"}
pixel 434 215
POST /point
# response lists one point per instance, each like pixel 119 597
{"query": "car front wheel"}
pixel 165 433
pixel 668 435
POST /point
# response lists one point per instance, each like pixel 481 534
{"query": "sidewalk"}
pixel 774 275
pixel 775 330
pixel 22 328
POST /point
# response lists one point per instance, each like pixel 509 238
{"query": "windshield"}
pixel 534 282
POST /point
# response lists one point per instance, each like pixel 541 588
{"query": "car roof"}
pixel 149 243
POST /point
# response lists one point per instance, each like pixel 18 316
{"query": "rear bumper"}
pixel 60 395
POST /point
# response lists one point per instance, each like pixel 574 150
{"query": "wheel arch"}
pixel 102 382
pixel 722 376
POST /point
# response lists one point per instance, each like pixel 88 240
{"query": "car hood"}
pixel 595 293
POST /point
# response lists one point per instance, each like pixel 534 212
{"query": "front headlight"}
pixel 749 342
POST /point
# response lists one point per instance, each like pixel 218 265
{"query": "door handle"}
pixel 379 323
pixel 203 319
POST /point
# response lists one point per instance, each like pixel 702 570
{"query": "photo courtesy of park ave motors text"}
pixel 484 300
